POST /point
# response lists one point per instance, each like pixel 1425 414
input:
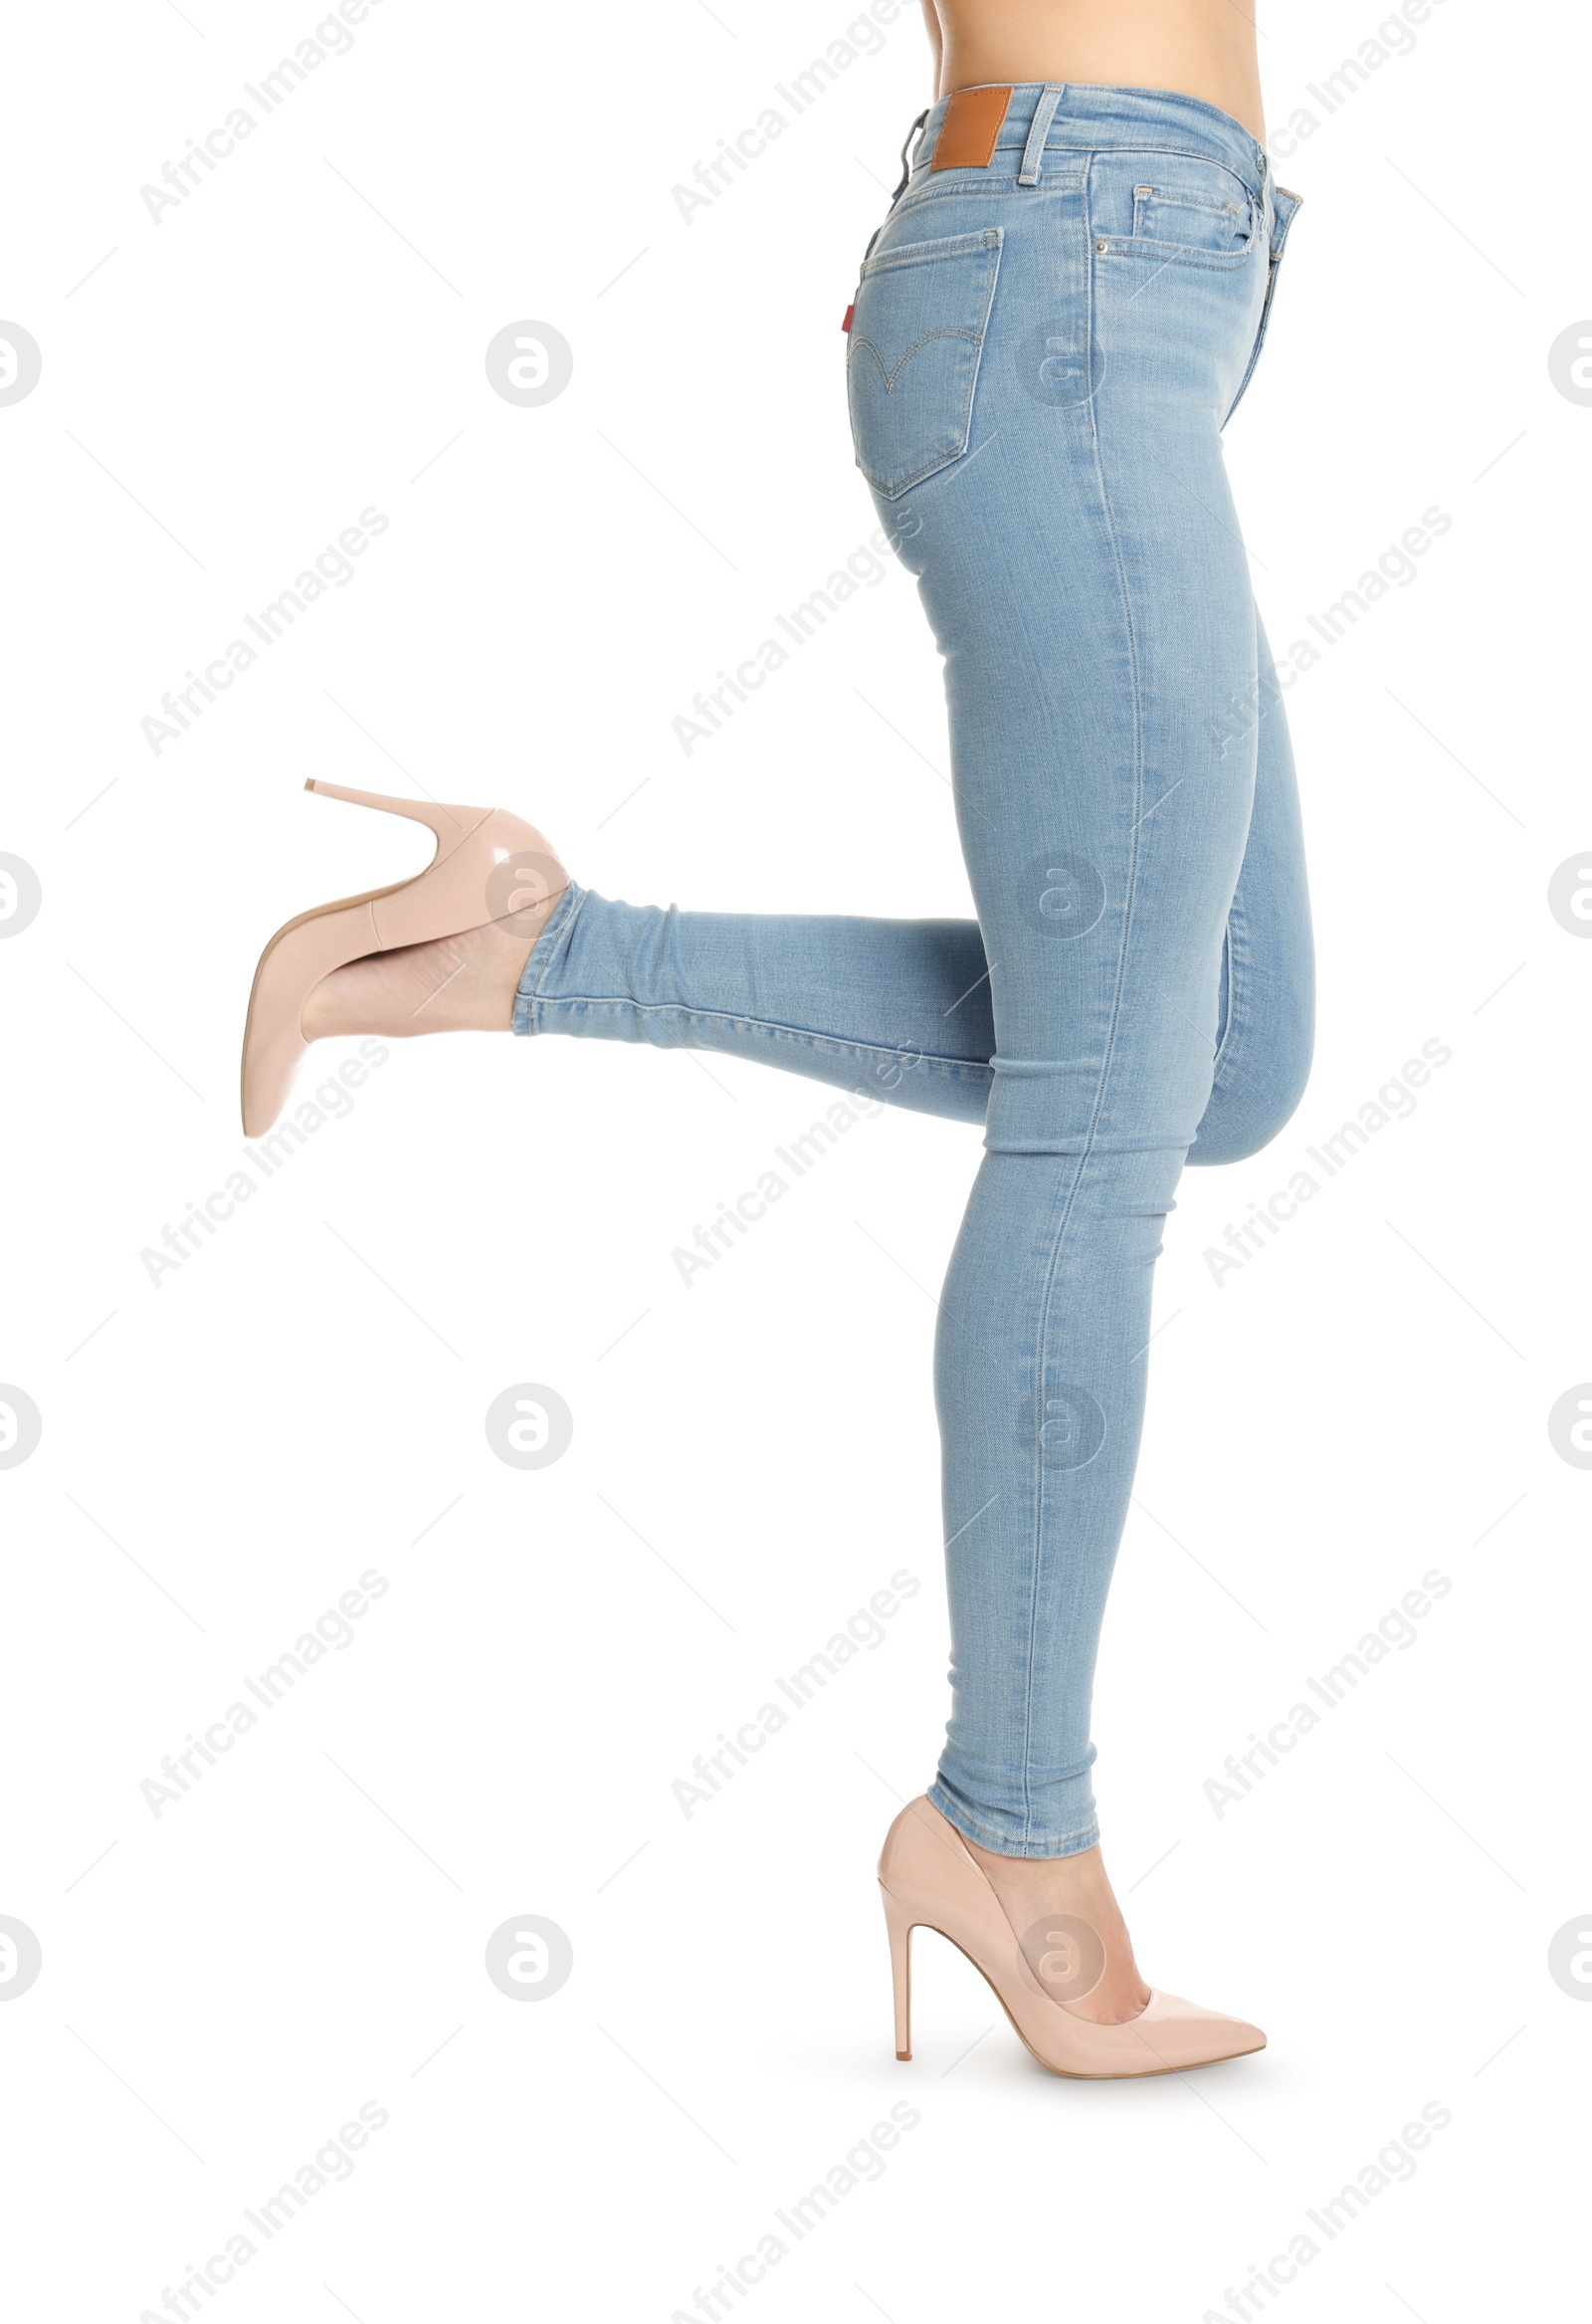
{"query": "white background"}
pixel 224 1454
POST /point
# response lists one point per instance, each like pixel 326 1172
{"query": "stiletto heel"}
pixel 445 821
pixel 898 1921
pixel 929 1879
pixel 489 868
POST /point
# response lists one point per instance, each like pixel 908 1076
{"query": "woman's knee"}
pixel 1255 1093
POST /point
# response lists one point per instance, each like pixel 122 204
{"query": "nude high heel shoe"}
pixel 928 1880
pixel 488 867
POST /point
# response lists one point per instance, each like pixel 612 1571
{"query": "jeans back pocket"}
pixel 911 363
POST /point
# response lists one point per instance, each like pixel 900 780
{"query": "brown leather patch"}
pixel 972 126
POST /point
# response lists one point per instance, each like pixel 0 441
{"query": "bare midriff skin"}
pixel 1196 48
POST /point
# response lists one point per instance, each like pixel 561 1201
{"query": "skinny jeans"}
pixel 1045 346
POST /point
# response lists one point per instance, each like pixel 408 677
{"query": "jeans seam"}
pixel 1232 963
pixel 1174 254
pixel 552 941
pixel 1274 260
pixel 986 1835
pixel 1012 150
pixel 648 1008
pixel 1108 1047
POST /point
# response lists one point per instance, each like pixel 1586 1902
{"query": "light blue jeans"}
pixel 1043 351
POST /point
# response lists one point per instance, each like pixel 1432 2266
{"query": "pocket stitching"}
pixel 988 240
pixel 943 246
pixel 1191 201
pixel 1189 254
pixel 944 331
pixel 1132 246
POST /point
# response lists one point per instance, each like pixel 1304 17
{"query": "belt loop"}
pixel 906 167
pixel 1038 130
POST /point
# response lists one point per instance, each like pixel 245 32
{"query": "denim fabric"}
pixel 1042 358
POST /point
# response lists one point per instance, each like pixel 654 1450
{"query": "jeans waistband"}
pixel 1054 118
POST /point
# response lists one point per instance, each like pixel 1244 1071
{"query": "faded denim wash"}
pixel 1043 356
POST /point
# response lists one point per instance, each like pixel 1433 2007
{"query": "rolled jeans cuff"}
pixel 544 953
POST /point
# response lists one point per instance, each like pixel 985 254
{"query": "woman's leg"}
pixel 1043 1421
pixel 897 1009
pixel 1081 567
pixel 900 1009
pixel 1267 991
pixel 1080 564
